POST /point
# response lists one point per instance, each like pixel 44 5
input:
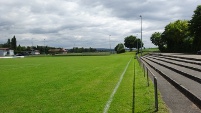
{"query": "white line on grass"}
pixel 107 106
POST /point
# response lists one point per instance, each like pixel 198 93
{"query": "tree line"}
pixel 81 50
pixel 24 50
pixel 181 35
pixel 129 42
pixel 11 43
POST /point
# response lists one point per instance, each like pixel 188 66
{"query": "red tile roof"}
pixel 4 48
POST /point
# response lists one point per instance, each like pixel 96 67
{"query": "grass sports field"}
pixel 73 84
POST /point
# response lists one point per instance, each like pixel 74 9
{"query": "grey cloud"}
pixel 42 31
pixel 87 22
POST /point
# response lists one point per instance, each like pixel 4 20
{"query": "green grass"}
pixel 144 94
pixel 151 49
pixel 58 84
pixel 67 84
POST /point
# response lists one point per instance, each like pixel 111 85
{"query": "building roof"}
pixel 57 50
pixel 4 48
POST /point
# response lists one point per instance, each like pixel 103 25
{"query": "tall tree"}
pixel 137 44
pixel 156 39
pixel 174 35
pixel 8 43
pixel 129 42
pixel 195 28
pixel 19 48
pixel 13 43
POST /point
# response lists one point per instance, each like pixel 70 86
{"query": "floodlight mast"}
pixel 44 46
pixel 137 46
pixel 32 46
pixel 110 43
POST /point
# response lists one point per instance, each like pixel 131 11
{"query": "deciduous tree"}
pixel 195 28
pixel 137 44
pixel 129 42
pixel 13 43
pixel 174 35
pixel 156 39
pixel 119 48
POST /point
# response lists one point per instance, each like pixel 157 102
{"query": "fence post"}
pixel 147 78
pixel 133 110
pixel 144 68
pixel 156 93
pixel 139 60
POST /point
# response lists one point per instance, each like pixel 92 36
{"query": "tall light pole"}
pixel 32 46
pixel 44 46
pixel 110 44
pixel 141 34
pixel 44 42
pixel 137 43
pixel 32 42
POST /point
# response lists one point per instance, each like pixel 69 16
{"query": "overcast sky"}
pixel 88 23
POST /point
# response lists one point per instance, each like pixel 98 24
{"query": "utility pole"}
pixel 141 34
pixel 137 43
pixel 110 43
pixel 32 46
pixel 44 46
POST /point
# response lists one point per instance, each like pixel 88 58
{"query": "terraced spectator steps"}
pixel 184 73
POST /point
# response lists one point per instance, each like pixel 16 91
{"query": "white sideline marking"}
pixel 107 106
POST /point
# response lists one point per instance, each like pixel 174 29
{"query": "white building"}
pixel 6 52
pixel 35 52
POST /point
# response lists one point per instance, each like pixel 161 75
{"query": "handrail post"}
pixel 147 78
pixel 156 93
pixel 144 68
pixel 133 110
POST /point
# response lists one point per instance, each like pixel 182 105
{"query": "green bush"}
pixel 120 48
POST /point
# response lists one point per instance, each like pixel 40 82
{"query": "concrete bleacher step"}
pixel 174 99
pixel 191 74
pixel 178 63
pixel 180 59
pixel 187 86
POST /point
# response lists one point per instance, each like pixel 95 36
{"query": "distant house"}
pixel 6 52
pixel 57 51
pixel 35 52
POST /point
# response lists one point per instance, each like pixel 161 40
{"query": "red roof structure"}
pixel 4 48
